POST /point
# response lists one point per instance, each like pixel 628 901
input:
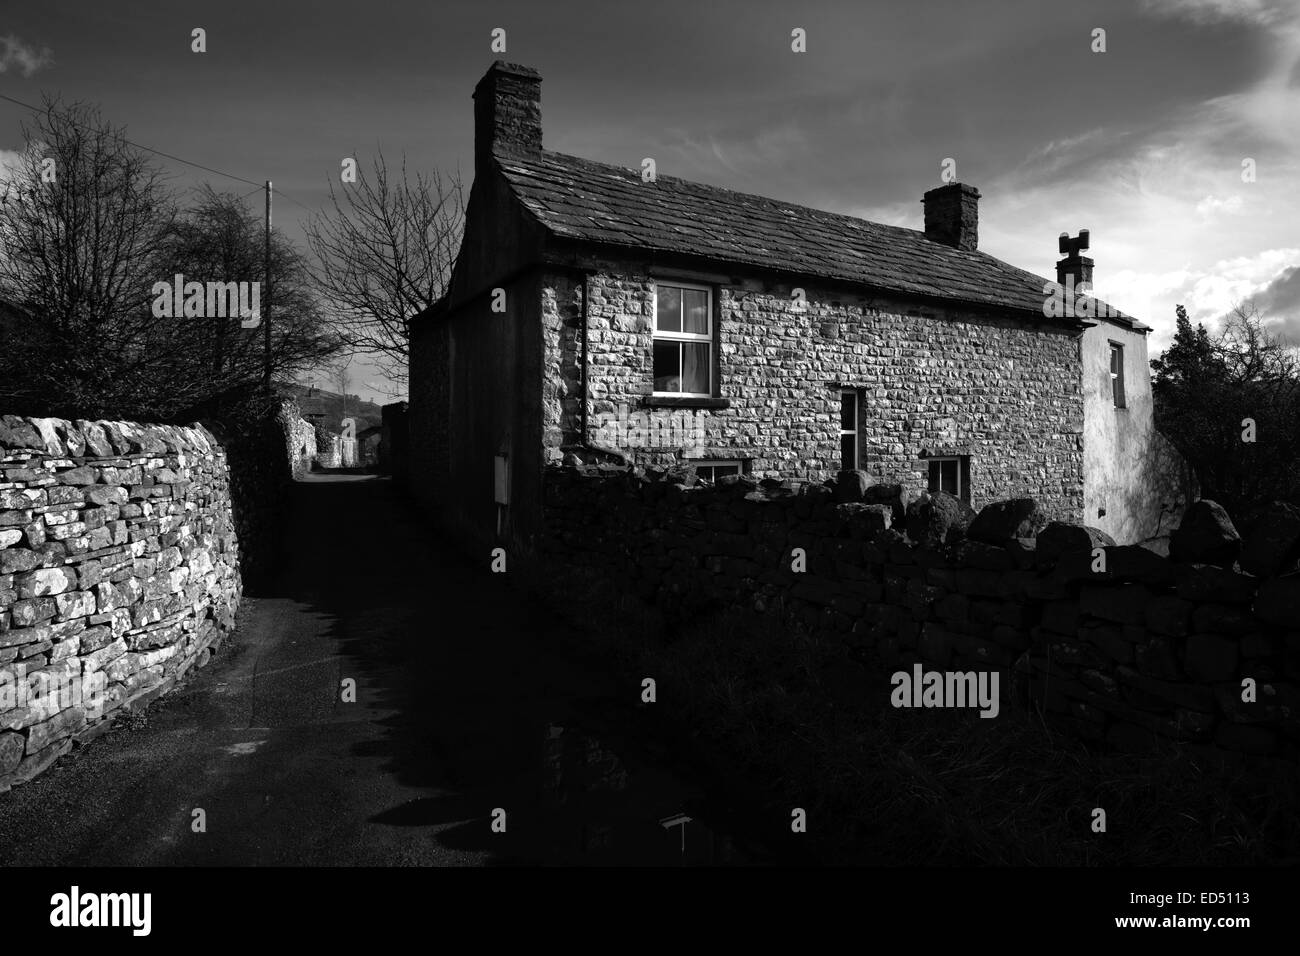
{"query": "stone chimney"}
pixel 952 215
pixel 507 112
pixel 1074 269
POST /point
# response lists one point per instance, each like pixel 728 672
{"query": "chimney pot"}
pixel 952 216
pixel 1075 268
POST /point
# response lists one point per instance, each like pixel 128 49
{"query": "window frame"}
pixel 739 464
pixel 707 338
pixel 962 463
pixel 856 431
pixel 1118 393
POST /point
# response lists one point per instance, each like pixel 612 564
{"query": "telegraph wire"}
pixel 148 149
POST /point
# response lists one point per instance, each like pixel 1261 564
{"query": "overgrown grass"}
pixel 791 720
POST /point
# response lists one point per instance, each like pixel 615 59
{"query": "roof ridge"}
pixel 736 192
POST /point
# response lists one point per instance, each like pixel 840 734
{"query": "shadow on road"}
pixel 386 701
pixel 483 706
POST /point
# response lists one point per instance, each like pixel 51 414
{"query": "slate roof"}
pixel 585 200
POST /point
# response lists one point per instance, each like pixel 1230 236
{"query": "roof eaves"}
pixel 937 299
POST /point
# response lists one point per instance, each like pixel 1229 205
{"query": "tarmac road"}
pixel 451 721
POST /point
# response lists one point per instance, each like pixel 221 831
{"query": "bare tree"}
pixel 84 238
pixel 393 393
pixel 83 235
pixel 341 377
pixel 384 253
pixel 219 239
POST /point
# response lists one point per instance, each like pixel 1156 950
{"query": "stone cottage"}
pixel 598 311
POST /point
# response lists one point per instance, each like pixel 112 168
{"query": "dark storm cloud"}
pixel 1279 303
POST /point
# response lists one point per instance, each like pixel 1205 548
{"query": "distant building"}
pixel 331 408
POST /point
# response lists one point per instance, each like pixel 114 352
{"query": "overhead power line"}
pixel 258 187
pixel 148 149
pixel 292 200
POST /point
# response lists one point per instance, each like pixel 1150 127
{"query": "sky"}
pixel 1143 144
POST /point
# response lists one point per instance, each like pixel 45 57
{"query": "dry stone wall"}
pixel 119 571
pixel 1116 645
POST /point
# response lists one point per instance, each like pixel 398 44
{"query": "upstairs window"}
pixel 1117 374
pixel 850 459
pixel 683 340
pixel 952 475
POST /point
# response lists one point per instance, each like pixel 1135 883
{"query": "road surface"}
pixel 464 706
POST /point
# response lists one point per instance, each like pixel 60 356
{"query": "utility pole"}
pixel 266 296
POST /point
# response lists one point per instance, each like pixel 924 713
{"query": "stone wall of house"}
pixel 119 571
pixel 300 439
pixel 476 407
pixel 1135 483
pixel 1128 653
pixel 335 451
pixel 932 381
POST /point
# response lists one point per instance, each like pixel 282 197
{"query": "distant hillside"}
pixel 330 408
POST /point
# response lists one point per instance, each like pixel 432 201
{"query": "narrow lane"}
pixel 463 705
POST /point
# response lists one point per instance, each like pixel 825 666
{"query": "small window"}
pixel 1117 374
pixel 951 475
pixel 683 340
pixel 849 456
pixel 713 470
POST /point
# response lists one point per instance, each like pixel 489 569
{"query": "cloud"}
pixel 1272 105
pixel 10 162
pixel 12 166
pixel 1172 221
pixel 1214 292
pixel 1279 303
pixel 1070 157
pixel 1211 207
pixel 1270 279
pixel 1260 12
pixel 745 157
pixel 1267 112
pixel 15 54
pixel 1199 153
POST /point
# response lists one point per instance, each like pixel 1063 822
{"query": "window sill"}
pixel 684 401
